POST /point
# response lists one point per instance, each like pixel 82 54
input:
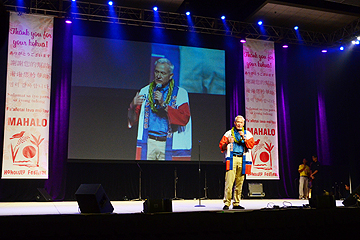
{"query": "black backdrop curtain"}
pixel 311 87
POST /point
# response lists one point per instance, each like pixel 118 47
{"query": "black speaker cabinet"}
pixel 92 198
pixel 43 196
pixel 323 202
pixel 352 199
pixel 157 205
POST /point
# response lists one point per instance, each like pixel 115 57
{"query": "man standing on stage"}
pixel 315 177
pixel 236 143
pixel 162 110
pixel 304 171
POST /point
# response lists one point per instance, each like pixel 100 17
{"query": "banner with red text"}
pixel 260 107
pixel 26 130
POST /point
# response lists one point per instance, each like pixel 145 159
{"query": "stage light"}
pixel 155 8
pixel 285 46
pixel 243 40
pixel 324 51
pixel 222 17
pixel 296 27
pixel 68 21
pixel 260 23
pixel 110 3
pixel 342 48
pixel 187 13
pixel 358 38
pixel 73 0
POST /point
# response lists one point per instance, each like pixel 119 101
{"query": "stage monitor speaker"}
pixel 323 202
pixel 256 190
pixel 157 205
pixel 92 198
pixel 353 198
pixel 43 196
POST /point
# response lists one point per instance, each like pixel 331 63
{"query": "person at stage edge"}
pixel 162 112
pixel 304 171
pixel 315 176
pixel 236 143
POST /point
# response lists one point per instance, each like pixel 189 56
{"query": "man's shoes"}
pixel 226 207
pixel 238 207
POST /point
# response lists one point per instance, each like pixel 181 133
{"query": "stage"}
pixel 261 219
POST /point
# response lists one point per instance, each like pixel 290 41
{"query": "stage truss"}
pixel 180 22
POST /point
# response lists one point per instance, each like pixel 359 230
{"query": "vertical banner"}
pixel 260 107
pixel 26 130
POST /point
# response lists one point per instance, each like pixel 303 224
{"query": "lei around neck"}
pixel 235 138
pixel 151 94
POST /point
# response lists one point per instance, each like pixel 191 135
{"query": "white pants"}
pixel 303 187
pixel 155 149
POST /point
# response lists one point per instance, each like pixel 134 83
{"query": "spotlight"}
pixel 68 21
pixel 342 48
pixel 358 38
pixel 73 0
pixel 285 46
pixel 296 27
pixel 222 17
pixel 260 23
pixel 187 13
pixel 110 3
pixel 155 8
pixel 324 51
pixel 243 40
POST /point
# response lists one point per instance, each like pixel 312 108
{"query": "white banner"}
pixel 261 109
pixel 26 131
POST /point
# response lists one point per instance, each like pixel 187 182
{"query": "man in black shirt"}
pixel 315 177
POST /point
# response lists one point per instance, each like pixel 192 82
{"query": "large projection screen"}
pixel 107 74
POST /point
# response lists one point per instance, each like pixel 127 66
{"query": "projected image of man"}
pixel 162 112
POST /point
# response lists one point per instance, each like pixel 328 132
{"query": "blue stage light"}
pixel 223 17
pixel 187 13
pixel 155 8
pixel 285 46
pixel 342 48
pixel 73 0
pixel 296 27
pixel 68 21
pixel 110 3
pixel 260 23
pixel 324 51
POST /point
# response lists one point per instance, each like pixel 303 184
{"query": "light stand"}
pixel 175 183
pixel 140 170
pixel 199 205
pixel 205 188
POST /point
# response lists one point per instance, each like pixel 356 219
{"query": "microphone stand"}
pixel 140 170
pixel 199 205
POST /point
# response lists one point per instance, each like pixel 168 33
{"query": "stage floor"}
pixel 259 220
pixel 128 207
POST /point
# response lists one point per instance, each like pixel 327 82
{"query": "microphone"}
pixel 158 86
pixel 242 137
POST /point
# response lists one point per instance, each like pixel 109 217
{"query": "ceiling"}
pixel 324 16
